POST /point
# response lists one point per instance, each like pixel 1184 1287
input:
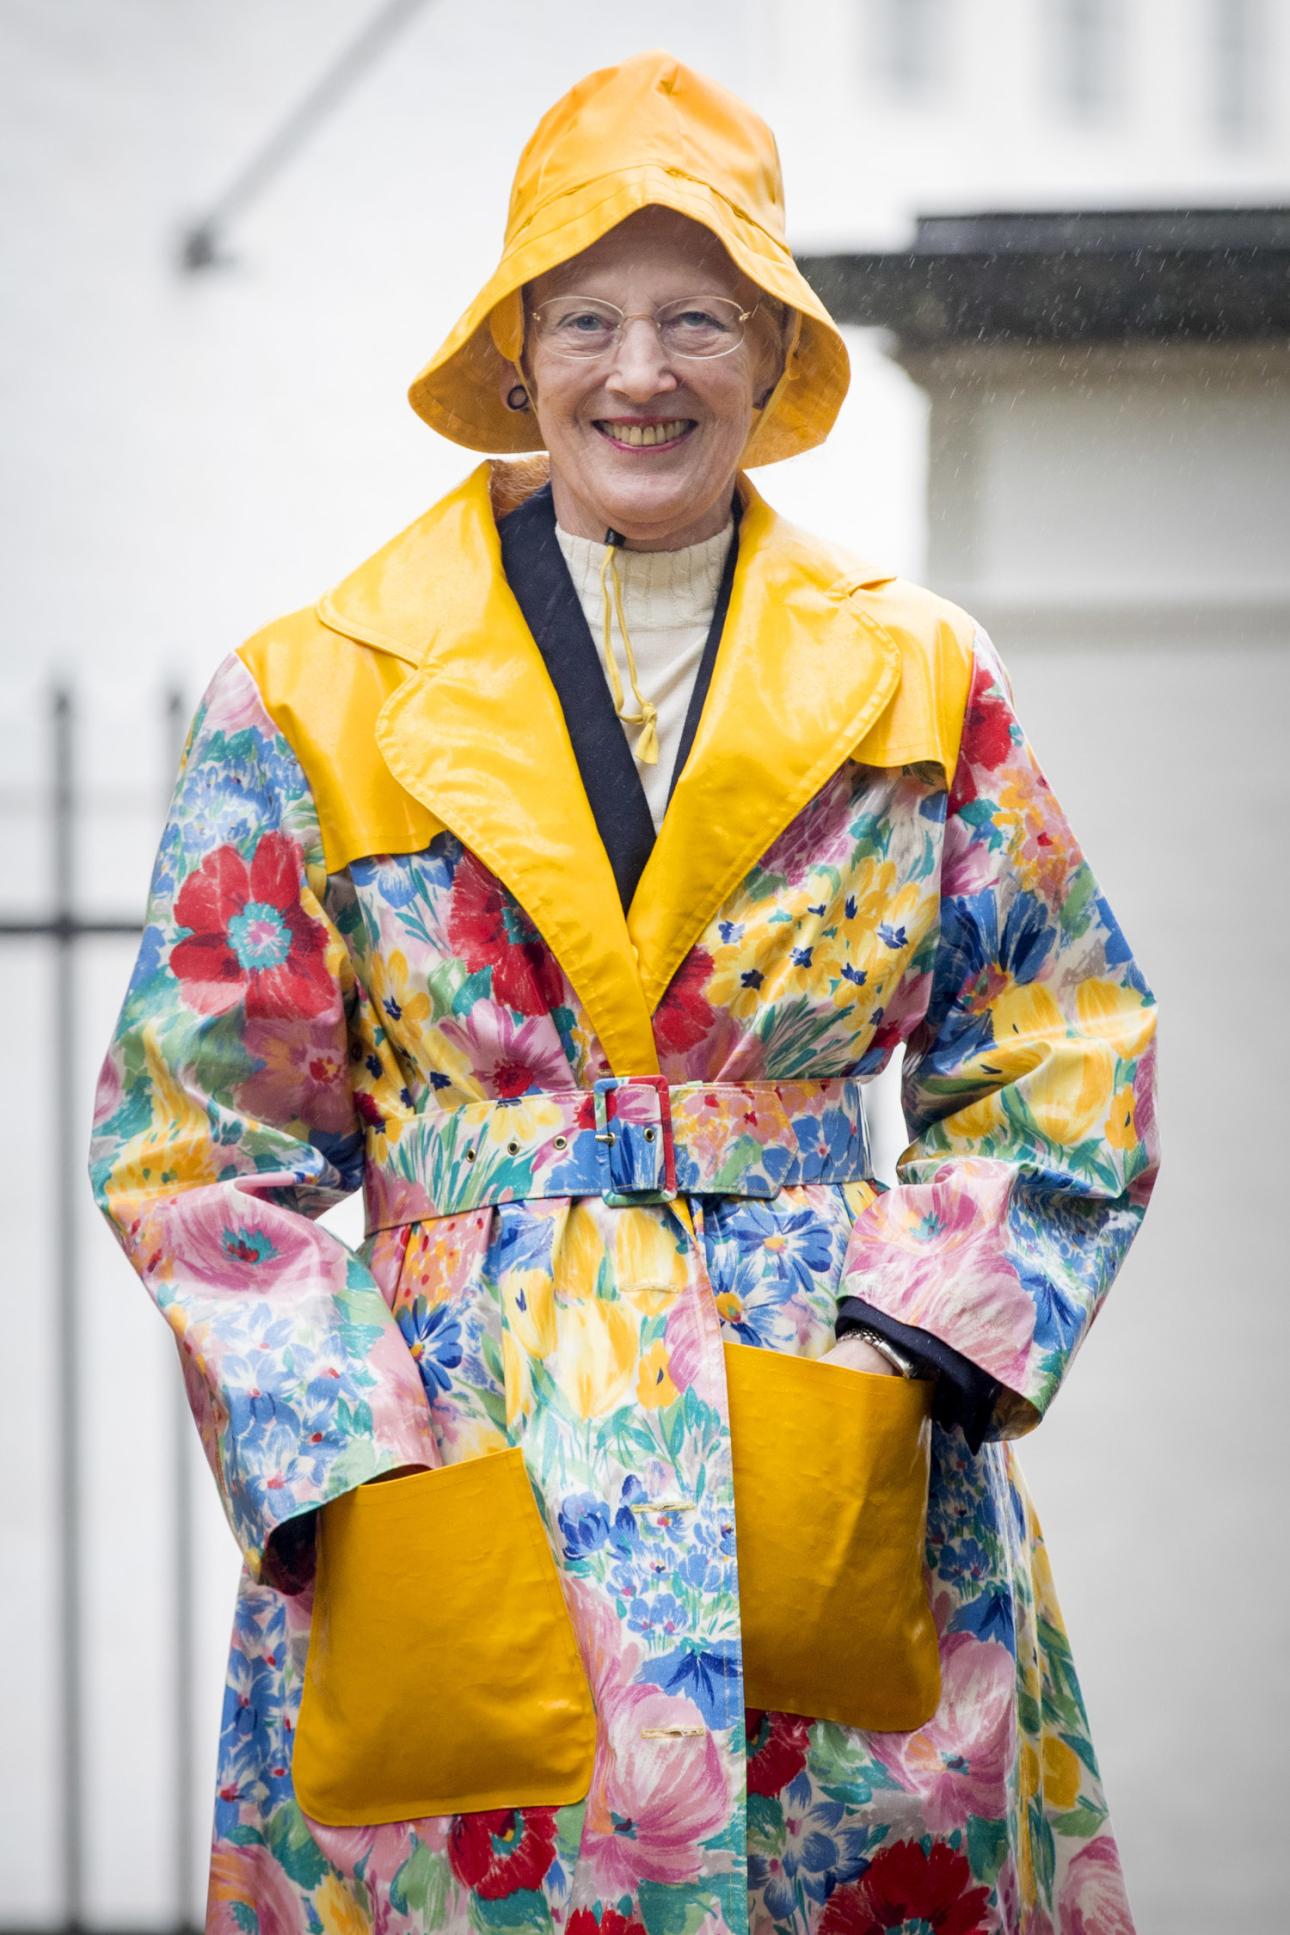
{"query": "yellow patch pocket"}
pixel 443 1674
pixel 831 1472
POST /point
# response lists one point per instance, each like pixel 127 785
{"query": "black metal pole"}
pixel 201 244
pixel 69 1168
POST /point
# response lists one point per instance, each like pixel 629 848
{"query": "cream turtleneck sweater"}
pixel 668 601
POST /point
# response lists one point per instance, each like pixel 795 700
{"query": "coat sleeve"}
pixel 1028 1088
pixel 225 1123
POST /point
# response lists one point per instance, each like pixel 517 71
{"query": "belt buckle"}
pixel 635 1153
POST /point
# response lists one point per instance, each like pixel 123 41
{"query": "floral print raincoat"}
pixel 383 951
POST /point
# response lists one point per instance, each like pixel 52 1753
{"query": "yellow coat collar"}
pixel 475 733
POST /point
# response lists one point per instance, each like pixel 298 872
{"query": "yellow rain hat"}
pixel 649 131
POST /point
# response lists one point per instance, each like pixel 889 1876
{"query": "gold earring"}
pixel 517 398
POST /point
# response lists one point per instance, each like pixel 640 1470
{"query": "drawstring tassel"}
pixel 646 714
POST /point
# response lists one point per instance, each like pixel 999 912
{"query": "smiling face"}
pixel 643 440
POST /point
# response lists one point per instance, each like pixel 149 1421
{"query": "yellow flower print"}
pixel 517 1380
pixel 977 1119
pixel 1121 1123
pixel 858 1195
pixel 175 1146
pixel 654 1386
pixel 530 1122
pixel 1062 1773
pixel 730 1307
pixel 742 968
pixel 383 1130
pixel 528 1298
pixel 649 1267
pixel 1069 1092
pixel 402 1009
pixel 338 1911
pixel 871 949
pixel 1044 853
pixel 1029 1774
pixel 1116 1015
pixel 597 1359
pixel 578 1253
pixel 1023 1018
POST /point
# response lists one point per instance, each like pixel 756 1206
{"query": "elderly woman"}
pixel 632 1537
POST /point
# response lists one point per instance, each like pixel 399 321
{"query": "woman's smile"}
pixel 648 435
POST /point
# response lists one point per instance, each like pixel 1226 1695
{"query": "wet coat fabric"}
pixel 383 949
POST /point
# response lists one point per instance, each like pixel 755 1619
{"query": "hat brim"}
pixel 458 392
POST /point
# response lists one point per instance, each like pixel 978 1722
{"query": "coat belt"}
pixel 630 1139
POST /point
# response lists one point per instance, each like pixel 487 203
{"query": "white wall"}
pixel 184 458
pixel 1116 519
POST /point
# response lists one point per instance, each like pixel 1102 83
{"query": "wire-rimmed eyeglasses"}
pixel 691 326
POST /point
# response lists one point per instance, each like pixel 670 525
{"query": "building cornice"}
pixel 1211 275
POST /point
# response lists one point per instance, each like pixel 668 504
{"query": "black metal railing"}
pixel 68 930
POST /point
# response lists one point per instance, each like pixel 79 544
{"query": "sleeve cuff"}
pixel 964 1394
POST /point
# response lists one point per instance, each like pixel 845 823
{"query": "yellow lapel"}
pixel 802 673
pixel 476 733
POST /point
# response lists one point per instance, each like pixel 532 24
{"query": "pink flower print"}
pixel 1144 1117
pixel 819 837
pixel 692 1346
pixel 661 1784
pixel 931 1255
pixel 660 1787
pixel 384 1849
pixel 229 1239
pixel 958 1763
pixel 236 706
pixel 508 1058
pixel 249 1883
pixel 968 866
pixel 304 1075
pixel 1093 1900
pixel 107 1095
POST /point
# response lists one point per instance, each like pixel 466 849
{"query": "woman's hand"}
pixel 854 1354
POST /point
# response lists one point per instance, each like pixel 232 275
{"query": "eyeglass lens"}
pixel 692 326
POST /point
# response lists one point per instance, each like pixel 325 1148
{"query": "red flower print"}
pixel 777 1748
pixel 683 1016
pixel 251 940
pixel 501 1852
pixel 987 737
pixel 489 929
pixel 583 1922
pixel 903 1885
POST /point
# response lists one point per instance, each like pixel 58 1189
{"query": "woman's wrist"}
pixel 854 1353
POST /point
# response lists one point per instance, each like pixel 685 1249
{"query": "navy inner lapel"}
pixel 544 591
pixel 539 577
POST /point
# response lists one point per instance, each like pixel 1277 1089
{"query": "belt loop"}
pixel 635 1152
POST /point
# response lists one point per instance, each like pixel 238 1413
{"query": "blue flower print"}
pixel 433 1334
pixel 815 1856
pixel 705 1675
pixel 392 876
pixel 657 1615
pixel 797 1244
pixel 584 1525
